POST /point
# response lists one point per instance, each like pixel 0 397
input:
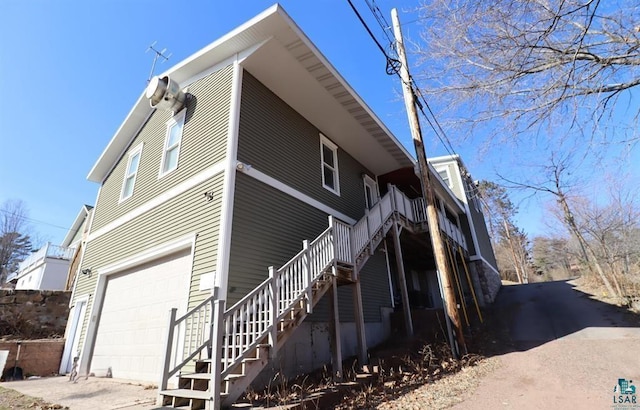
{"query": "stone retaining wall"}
pixel 490 281
pixel 33 314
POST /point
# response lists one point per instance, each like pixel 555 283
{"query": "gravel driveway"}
pixel 567 351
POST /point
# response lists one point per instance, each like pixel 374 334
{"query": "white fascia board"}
pixel 229 183
pixel 184 242
pixel 132 124
pixel 180 72
pixel 160 199
pixel 282 187
pixel 345 84
pixel 77 224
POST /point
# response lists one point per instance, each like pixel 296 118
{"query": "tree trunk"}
pixel 589 255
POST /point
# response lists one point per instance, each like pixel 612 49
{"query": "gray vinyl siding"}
pixel 276 140
pixel 268 229
pixel 456 183
pixel 374 283
pixel 77 236
pixel 185 214
pixel 482 234
pixel 203 144
pixel 466 231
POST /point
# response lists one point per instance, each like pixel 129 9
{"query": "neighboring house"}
pixel 261 214
pixel 76 237
pixel 49 267
pixel 45 269
pixel 456 176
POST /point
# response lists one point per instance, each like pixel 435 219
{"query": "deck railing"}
pixel 47 251
pixel 194 328
pixel 254 319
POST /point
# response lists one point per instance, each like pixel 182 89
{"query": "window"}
pixel 444 174
pixel 370 191
pixel 329 154
pixel 130 174
pixel 172 143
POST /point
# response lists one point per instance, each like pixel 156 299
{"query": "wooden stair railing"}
pixel 259 324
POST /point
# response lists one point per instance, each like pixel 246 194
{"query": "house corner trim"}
pixel 228 189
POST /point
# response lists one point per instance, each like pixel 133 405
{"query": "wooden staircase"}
pixel 212 372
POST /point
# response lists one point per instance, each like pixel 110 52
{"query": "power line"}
pixel 393 67
pixel 33 220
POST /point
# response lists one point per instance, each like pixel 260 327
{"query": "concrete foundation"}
pixel 309 348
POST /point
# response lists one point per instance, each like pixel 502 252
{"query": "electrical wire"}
pixel 393 65
pixel 36 221
pixel 393 68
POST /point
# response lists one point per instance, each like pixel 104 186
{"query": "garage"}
pixel 133 324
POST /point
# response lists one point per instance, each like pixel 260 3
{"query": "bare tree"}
pixel 553 180
pixel 533 63
pixel 507 238
pixel 609 229
pixel 552 257
pixel 15 243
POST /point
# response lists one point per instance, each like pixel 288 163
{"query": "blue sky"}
pixel 70 71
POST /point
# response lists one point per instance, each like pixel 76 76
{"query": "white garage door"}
pixel 135 313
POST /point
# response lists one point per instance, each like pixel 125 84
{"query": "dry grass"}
pixel 408 375
pixel 11 399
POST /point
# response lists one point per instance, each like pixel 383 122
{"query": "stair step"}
pixel 234 376
pixel 187 394
pixel 199 376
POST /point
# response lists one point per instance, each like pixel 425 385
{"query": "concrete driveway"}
pixel 90 394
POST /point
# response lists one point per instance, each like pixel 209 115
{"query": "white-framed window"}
pixel 444 175
pixel 172 141
pixel 329 163
pixel 371 196
pixel 130 174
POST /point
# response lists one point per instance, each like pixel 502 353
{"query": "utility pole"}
pixel 439 251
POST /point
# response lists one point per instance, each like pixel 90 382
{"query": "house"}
pixel 45 269
pixel 48 268
pixel 76 237
pixel 454 173
pixel 253 210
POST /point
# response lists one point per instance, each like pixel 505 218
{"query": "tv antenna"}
pixel 159 54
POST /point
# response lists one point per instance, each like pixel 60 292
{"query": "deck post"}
pixel 334 331
pixel 391 191
pixel 168 348
pixel 217 334
pixel 275 311
pixel 369 233
pixel 406 309
pixel 361 332
pixel 334 242
pixel 308 276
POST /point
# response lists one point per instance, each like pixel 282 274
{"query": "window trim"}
pixel 177 119
pixel 371 183
pixel 447 182
pixel 324 141
pixel 127 174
